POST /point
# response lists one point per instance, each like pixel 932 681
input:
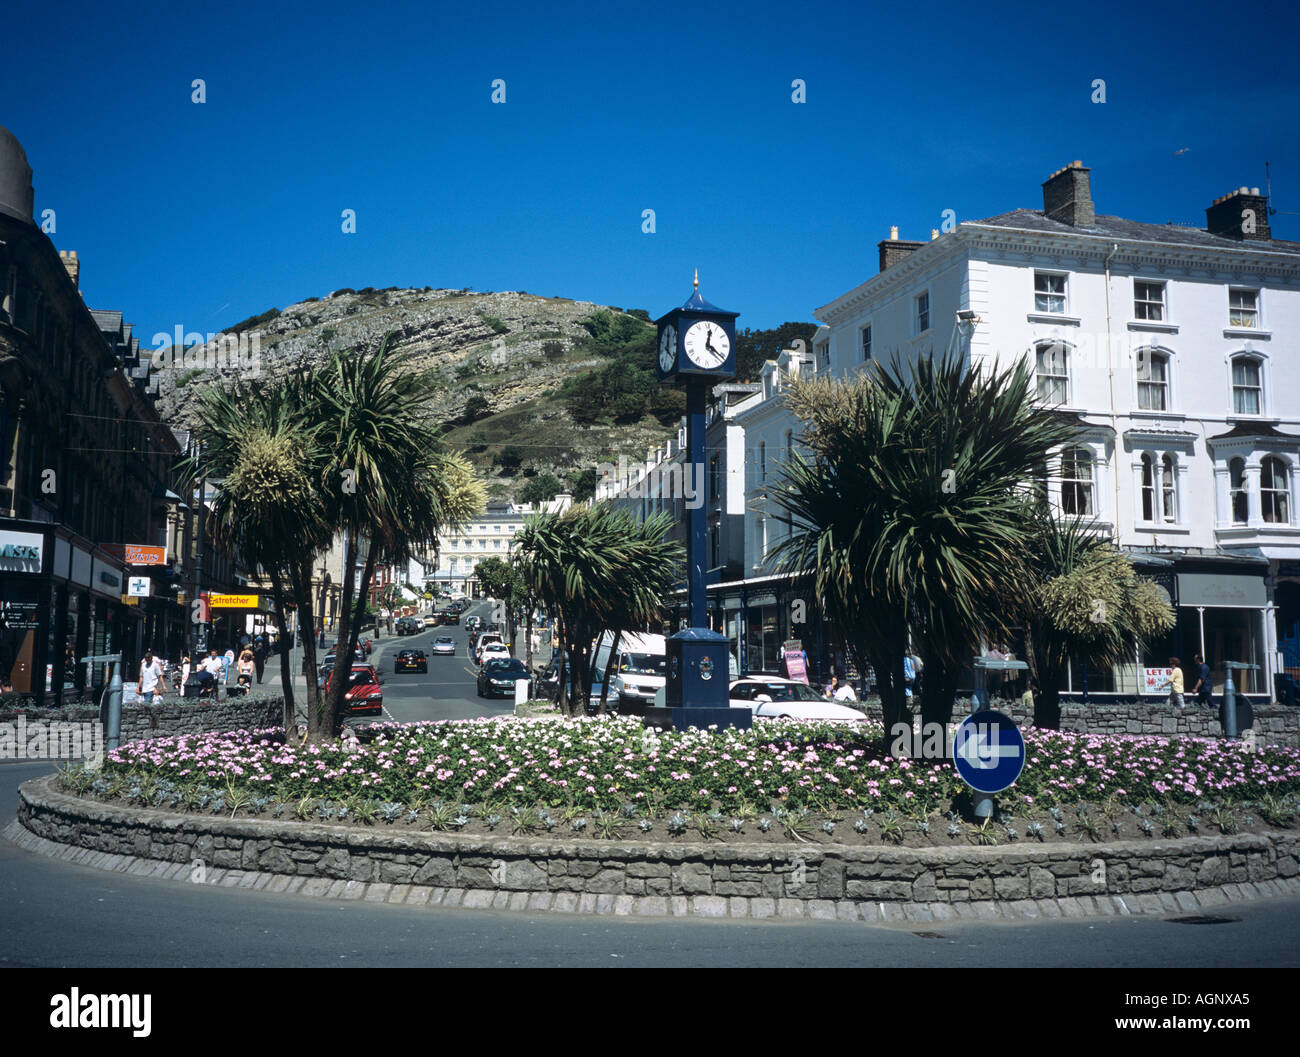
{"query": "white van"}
pixel 639 674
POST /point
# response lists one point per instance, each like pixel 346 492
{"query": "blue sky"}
pixel 201 215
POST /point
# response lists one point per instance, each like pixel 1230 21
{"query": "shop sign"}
pixel 233 601
pixel 136 553
pixel 139 586
pixel 21 552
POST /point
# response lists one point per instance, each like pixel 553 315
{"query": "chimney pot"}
pixel 934 234
pixel 893 233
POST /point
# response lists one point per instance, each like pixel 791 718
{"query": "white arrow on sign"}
pixel 982 748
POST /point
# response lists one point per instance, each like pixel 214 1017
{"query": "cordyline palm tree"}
pixel 262 445
pixel 591 566
pixel 1084 600
pixel 386 476
pixel 912 510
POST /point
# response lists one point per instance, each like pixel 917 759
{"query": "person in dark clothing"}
pixel 259 657
pixel 1204 682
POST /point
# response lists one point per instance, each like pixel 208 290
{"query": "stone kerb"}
pixel 800 879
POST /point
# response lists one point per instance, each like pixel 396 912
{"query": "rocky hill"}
pixel 521 380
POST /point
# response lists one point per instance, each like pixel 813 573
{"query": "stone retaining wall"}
pixel 647 871
pixel 1274 724
pixel 253 711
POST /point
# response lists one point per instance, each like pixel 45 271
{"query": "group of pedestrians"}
pixel 1203 688
pixel 213 670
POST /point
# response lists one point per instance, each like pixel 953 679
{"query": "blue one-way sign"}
pixel 988 752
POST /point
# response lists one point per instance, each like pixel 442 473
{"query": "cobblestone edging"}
pixel 639 878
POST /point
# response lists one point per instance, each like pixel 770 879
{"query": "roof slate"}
pixel 1118 227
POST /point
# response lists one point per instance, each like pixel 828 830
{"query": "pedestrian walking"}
pixel 1176 683
pixel 153 680
pixel 1204 688
pixel 259 658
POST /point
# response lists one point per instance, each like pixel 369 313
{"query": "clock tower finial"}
pixel 697 278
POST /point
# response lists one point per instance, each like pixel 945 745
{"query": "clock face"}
pixel 707 345
pixel 668 348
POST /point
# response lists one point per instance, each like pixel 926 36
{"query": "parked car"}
pixel 444 646
pixel 365 694
pixel 410 661
pixel 788 699
pixel 499 676
pixel 408 626
pixel 430 620
pixel 485 640
pixel 473 622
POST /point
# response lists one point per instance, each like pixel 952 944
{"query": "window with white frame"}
pixel 922 303
pixel 1148 301
pixel 1247 385
pixel 1243 308
pixel 1168 489
pixel 824 354
pixel 1049 293
pixel 1274 491
pixel 1077 482
pixel 1159 488
pixel 864 342
pixel 1053 373
pixel 1153 380
pixel 1237 490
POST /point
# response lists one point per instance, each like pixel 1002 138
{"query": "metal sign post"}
pixel 113 719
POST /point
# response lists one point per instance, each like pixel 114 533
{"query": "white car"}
pixel 493 650
pixel 788 698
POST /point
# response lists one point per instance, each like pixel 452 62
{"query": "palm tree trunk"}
pixel 286 673
pixel 528 639
pixel 609 664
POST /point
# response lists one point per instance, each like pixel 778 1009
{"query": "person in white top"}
pixel 152 682
pixel 845 692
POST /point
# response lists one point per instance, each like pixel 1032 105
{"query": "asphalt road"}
pixel 55 914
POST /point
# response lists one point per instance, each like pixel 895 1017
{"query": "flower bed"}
pixel 782 780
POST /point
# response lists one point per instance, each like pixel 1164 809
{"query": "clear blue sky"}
pixel 201 215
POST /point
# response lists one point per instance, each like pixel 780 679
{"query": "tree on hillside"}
pixel 756 347
pixel 1083 600
pixel 540 489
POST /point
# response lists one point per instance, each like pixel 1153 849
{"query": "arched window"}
pixel 1168 489
pixel 1148 487
pixel 1153 380
pixel 1237 490
pixel 1247 386
pixel 1077 481
pixel 1053 373
pixel 1274 491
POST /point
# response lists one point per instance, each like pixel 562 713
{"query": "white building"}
pixel 490 535
pixel 1174 349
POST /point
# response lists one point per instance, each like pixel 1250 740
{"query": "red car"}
pixel 364 694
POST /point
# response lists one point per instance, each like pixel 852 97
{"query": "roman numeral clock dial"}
pixel 707 345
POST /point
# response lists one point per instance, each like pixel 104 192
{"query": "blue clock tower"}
pixel 697 349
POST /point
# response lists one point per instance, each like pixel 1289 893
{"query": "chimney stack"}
pixel 73 266
pixel 1067 196
pixel 894 249
pixel 1240 214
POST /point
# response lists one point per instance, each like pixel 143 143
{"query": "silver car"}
pixel 444 645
